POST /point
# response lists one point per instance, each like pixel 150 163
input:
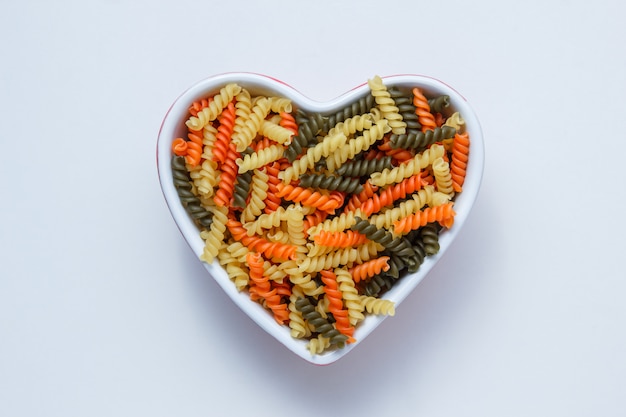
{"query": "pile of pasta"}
pixel 316 216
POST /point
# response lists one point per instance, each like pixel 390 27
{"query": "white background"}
pixel 105 311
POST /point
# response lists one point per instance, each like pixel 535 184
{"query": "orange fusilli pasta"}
pixel 422 109
pixel 335 304
pixel 369 268
pixel 460 156
pixel 442 213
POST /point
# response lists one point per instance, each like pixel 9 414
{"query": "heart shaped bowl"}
pixel 174 126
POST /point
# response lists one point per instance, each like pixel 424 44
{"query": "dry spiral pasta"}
pixel 190 200
pixel 405 170
pixel 377 306
pixel 266 221
pixel 441 213
pixel 222 136
pixel 389 195
pixel 429 234
pixel 236 269
pixel 364 167
pixel 350 295
pixel 362 105
pixel 326 147
pixel 241 189
pixel 443 176
pixel 421 140
pixel 214 108
pixel 337 223
pixel 331 182
pixel 388 216
pixel 387 105
pixel 259 158
pixel 214 237
pixel 422 108
pixel 243 136
pixel 258 193
pixel 369 268
pixel 308 128
pixel 357 144
pixel 325 328
pixel 295 228
pixel 354 124
pixel 456 122
pixel 307 197
pixel 228 177
pixel 280 104
pixel 339 239
pixel 317 215
pixel 406 108
pixel 458 163
pixel 275 132
pixel 338 257
pixel 333 303
pixel 297 325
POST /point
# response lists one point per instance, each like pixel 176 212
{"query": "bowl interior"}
pixel 174 126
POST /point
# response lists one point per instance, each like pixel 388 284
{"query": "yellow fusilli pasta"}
pixel 215 107
pixel 357 145
pixel 326 147
pixel 298 278
pixel 260 158
pixel 244 134
pixel 295 229
pixel 350 296
pixel 387 216
pixel 407 169
pixel 258 193
pixel 280 104
pixel 456 121
pixel 235 267
pixel 353 124
pixel 318 344
pixel 337 223
pixel 275 132
pixel 378 306
pixel 443 178
pixel 214 237
pixel 387 105
pixel 266 221
pixel 298 328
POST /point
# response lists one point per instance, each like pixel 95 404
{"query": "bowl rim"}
pixel 173 124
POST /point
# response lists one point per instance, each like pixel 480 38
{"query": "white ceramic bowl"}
pixel 173 126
